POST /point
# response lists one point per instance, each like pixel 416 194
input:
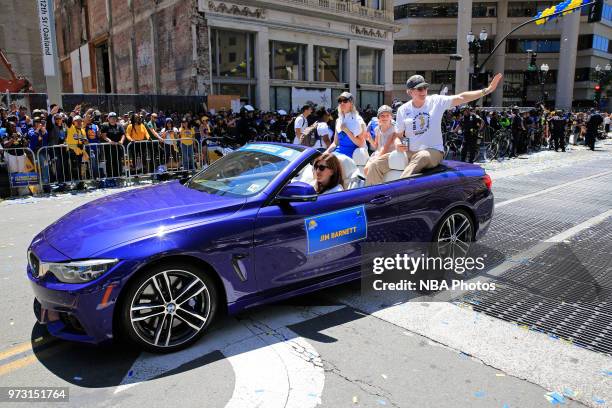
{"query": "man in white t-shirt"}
pixel 301 122
pixel 420 120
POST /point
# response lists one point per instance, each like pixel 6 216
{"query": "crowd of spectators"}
pixel 177 132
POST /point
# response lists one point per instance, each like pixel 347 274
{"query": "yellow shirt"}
pixel 75 139
pixel 137 132
pixel 187 135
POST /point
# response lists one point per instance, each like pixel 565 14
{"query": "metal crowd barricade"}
pixel 150 157
pixel 62 165
pixel 107 161
pixel 22 170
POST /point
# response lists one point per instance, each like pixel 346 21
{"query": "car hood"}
pixel 127 216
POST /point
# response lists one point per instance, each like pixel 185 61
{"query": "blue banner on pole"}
pixel 23 179
pixel 336 228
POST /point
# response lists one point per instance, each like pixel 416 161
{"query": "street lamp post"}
pixel 475 44
pixel 543 71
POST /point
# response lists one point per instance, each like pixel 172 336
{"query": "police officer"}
pixel 556 125
pixel 517 127
pixel 470 125
pixel 592 127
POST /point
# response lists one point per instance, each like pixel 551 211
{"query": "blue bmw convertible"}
pixel 155 265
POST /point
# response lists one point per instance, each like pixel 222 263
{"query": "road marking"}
pixel 18 349
pixel 548 190
pixel 30 358
pixel 539 248
pixel 232 340
pixel 294 374
pixel 580 227
pixel 17 364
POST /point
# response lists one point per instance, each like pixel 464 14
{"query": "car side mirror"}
pixel 297 191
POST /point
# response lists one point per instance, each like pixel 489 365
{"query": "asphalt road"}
pixel 552 232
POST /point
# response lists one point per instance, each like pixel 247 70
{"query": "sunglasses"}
pixel 321 167
pixel 344 100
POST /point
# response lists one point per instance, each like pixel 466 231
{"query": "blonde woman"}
pixel 350 127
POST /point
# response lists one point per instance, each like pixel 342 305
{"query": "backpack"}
pixel 310 135
pixel 290 130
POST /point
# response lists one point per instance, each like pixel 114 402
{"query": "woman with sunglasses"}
pixel 327 174
pixel 350 127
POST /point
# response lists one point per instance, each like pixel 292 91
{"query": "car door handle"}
pixel 380 199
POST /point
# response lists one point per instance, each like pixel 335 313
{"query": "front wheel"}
pixel 168 307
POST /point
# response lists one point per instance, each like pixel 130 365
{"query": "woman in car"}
pixel 350 127
pixel 327 174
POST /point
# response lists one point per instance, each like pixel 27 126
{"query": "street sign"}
pixel 595 11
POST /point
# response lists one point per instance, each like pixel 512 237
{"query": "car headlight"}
pixel 79 271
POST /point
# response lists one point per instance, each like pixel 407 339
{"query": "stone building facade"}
pixel 20 41
pixel 263 51
pixel 131 46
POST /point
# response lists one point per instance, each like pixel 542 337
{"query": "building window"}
pixel 280 98
pixel 102 69
pixel 426 10
pixel 400 77
pixel 527 8
pixel 442 10
pixel 329 64
pixel 336 94
pixel 443 77
pixel 518 46
pixel 513 84
pixel 591 41
pixel 238 45
pixel 377 4
pixel 233 63
pixel 600 43
pixel 424 46
pixel 370 99
pixel 585 41
pixel 583 74
pixel 370 62
pixel 606 13
pixel 246 92
pixel 287 61
pixel 484 10
pixel 534 77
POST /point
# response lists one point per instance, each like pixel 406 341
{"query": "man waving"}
pixel 420 120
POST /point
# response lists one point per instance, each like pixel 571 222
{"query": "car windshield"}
pixel 246 171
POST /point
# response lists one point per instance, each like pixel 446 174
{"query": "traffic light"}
pixel 533 66
pixel 597 96
pixel 595 11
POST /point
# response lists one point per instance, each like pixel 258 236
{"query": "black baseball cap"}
pixel 416 82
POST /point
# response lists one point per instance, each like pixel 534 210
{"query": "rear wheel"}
pixel 168 307
pixel 452 238
pixel 453 235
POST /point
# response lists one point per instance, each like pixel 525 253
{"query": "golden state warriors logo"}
pixel 312 225
pixel 420 124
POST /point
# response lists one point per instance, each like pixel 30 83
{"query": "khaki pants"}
pixel 417 161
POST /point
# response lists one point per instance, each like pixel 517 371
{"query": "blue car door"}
pixel 299 241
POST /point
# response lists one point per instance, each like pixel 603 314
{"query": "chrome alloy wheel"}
pixel 170 308
pixel 454 236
